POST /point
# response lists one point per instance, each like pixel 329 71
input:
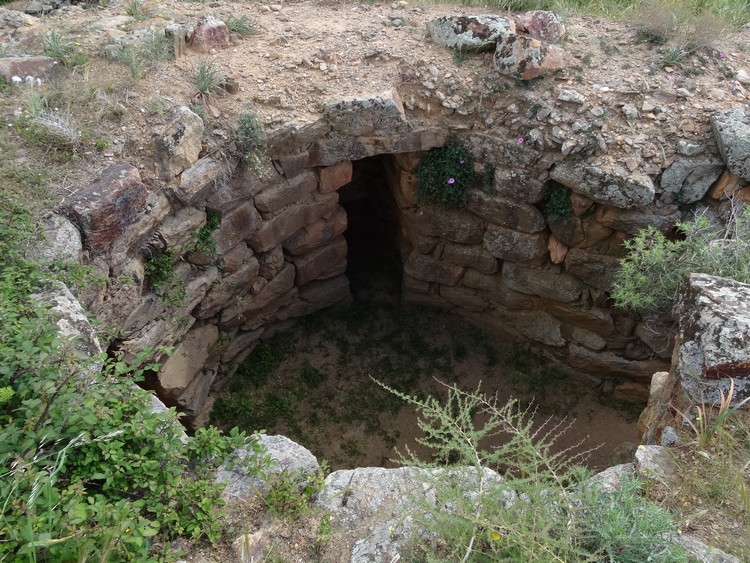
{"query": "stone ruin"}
pixel 280 249
pixel 504 262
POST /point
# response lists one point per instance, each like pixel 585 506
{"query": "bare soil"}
pixel 318 385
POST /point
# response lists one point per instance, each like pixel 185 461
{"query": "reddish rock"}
pixel 334 177
pixel 236 227
pixel 526 58
pixel 542 25
pixel 277 196
pixel 25 66
pixel 103 209
pixel 210 33
pixel 316 233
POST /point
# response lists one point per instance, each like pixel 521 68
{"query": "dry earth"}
pixel 305 53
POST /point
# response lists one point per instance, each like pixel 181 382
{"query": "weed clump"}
pixel 249 140
pixel 542 508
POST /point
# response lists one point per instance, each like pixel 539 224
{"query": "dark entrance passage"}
pixel 374 265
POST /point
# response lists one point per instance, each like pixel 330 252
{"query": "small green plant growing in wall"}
pixel 445 175
pixel 250 140
pixel 557 203
pixel 203 240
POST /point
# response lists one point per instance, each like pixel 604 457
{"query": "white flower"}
pixel 16 80
pixel 29 80
pixel 39 82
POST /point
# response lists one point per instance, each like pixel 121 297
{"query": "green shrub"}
pixel 87 470
pixel 203 240
pixel 445 175
pixel 655 266
pixel 62 50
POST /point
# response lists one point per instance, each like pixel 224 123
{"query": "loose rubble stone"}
pixel 210 33
pixel 542 25
pixel 469 32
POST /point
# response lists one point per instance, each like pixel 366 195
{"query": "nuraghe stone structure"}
pixel 280 252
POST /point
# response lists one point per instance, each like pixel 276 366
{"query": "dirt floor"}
pixel 318 385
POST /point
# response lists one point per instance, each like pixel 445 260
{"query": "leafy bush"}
pixel 445 175
pixel 541 509
pixel 654 267
pixel 87 470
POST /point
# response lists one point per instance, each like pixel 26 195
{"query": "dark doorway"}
pixel 374 264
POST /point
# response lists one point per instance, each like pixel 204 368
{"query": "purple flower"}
pixel 722 55
pixel 520 140
pixel 451 180
pixel 420 212
pixel 462 161
pixel 670 77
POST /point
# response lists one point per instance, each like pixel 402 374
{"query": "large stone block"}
pixel 430 269
pixel 714 320
pixel 546 283
pixel 177 144
pixel 317 233
pixel 471 256
pixel 285 192
pixel 541 24
pixel 60 241
pixel 732 131
pixel 632 221
pixel 454 225
pixel 321 262
pixel 210 33
pixel 273 232
pixel 478 32
pixel 538 326
pixel 496 289
pixel 197 180
pixel 611 366
pixel 506 212
pixel 605 183
pixel 597 270
pixel 186 362
pixel 687 181
pixel 526 58
pixel 104 209
pixel 518 185
pixel 180 229
pixel 466 298
pixel 363 115
pixel 508 244
pixel 334 177
pixel 249 305
pixel 228 287
pixel 598 321
pixel 236 226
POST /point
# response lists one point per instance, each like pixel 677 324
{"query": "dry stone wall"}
pixel 278 252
